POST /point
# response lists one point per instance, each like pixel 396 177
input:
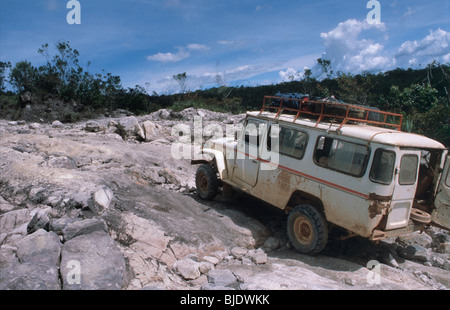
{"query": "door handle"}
pixel 254 161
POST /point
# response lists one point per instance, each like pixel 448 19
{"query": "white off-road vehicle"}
pixel 331 164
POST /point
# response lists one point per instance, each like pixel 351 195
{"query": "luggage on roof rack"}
pixel 283 98
pixel 330 109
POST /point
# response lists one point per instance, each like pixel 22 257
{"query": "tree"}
pixel 63 69
pixel 326 67
pixel 23 76
pixel 414 99
pixel 181 80
pixel 355 89
pixel 307 81
pixel 3 67
pixel 435 123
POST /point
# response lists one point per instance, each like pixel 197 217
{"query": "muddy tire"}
pixel 206 182
pixel 307 229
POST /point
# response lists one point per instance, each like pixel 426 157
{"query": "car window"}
pixel 343 156
pixel 382 166
pixel 291 142
pixel 408 169
pixel 253 132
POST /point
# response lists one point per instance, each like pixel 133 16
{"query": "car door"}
pixel 441 212
pixel 406 172
pixel 247 159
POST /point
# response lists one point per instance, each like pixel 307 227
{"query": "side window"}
pixel 382 166
pixel 343 156
pixel 292 142
pixel 253 132
pixel 408 170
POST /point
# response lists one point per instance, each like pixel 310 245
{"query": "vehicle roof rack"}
pixel 332 109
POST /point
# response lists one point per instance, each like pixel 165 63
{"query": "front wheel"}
pixel 307 229
pixel 206 182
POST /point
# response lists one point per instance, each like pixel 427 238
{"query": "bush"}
pixel 9 107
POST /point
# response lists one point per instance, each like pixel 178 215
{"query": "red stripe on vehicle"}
pixel 306 175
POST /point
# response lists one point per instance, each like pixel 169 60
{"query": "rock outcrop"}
pixel 103 205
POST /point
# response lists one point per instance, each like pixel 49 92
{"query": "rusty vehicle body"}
pixel 367 177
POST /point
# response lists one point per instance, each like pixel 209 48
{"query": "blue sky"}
pixel 245 42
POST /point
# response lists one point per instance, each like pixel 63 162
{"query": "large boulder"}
pixel 92 126
pixel 221 279
pixel 129 128
pixel 415 252
pixel 57 124
pixel 187 268
pixel 40 220
pixel 93 262
pixel 41 247
pixel 37 265
pixel 83 227
pixel 150 131
pixel 5 206
pixel 14 219
pixel 100 200
pixel 29 276
pixel 13 225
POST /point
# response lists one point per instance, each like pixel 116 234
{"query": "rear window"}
pixel 382 166
pixel 343 156
pixel 408 170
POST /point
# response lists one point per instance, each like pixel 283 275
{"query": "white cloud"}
pixel 225 42
pixel 235 43
pixel 435 46
pixel 351 48
pixel 180 55
pixel 238 69
pixel 170 57
pixel 446 58
pixel 198 47
pixel 290 75
pixel 350 53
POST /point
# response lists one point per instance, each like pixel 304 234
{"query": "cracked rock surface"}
pixel 103 204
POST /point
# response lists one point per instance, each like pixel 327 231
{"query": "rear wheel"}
pixel 307 229
pixel 206 182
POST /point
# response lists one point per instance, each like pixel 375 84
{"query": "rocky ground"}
pixel 104 205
